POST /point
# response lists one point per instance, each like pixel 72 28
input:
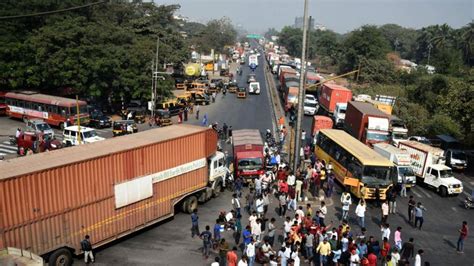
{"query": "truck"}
pixel 429 166
pixel 401 160
pixel 192 70
pixel 108 189
pixel 253 61
pixel 398 130
pixel 333 101
pixel 366 123
pixel 248 154
pixel 320 122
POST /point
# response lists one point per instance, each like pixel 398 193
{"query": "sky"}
pixel 342 16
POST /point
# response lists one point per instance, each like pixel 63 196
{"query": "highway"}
pixel 170 242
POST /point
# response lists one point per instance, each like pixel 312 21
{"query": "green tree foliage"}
pixel 292 39
pixel 443 124
pixel 402 40
pixel 216 34
pixel 414 114
pixel 98 51
pixel 271 32
pixel 364 43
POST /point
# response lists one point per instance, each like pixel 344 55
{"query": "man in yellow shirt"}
pixel 324 249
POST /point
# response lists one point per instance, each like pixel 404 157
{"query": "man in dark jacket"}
pixel 87 248
pixel 408 250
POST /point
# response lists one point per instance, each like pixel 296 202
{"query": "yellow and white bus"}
pixel 354 164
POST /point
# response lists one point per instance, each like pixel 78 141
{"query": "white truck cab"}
pixel 217 172
pixel 254 87
pixel 401 159
pixel 440 177
pixel 339 114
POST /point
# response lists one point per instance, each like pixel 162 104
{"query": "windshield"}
pixel 311 105
pixel 250 164
pixel 446 173
pixel 89 134
pixel 292 98
pixel 377 136
pixel 405 171
pixel 399 135
pixel 254 86
pixel 459 156
pixel 43 127
pixel 82 109
pixel 376 175
pixel 342 111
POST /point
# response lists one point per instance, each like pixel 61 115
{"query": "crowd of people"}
pixel 305 235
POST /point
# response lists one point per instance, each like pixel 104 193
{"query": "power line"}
pixel 52 12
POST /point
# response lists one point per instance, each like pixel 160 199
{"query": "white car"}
pixel 88 135
pixel 310 107
pixel 254 88
pixel 37 125
pixel 310 98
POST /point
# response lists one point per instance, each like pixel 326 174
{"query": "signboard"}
pixel 29 112
pixel 254 36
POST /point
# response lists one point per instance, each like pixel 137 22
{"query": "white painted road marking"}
pixel 416 193
pixel 454 209
pixel 7 151
pixel 425 193
pixel 8 147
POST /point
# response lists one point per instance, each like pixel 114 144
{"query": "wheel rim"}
pixel 62 260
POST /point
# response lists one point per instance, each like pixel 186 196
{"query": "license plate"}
pixel 458 190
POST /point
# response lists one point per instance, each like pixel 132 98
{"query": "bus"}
pixel 3 105
pixel 54 110
pixel 354 164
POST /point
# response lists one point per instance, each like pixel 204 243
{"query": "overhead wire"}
pixel 52 12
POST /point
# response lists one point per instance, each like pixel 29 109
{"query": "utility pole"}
pixel 301 91
pixel 154 79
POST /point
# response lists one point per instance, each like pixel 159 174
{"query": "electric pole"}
pixel 301 92
pixel 154 79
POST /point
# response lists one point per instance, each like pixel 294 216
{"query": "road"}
pixel 170 243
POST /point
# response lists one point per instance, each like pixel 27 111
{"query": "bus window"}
pixel 63 111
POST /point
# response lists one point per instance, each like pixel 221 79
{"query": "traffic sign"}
pixel 254 36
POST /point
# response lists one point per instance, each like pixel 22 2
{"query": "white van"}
pixel 88 135
pixel 254 88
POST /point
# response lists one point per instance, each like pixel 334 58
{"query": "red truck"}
pixel 366 123
pixel 249 161
pixel 321 122
pixel 331 95
pixel 286 72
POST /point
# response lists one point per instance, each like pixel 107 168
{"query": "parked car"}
pixel 421 139
pixel 456 159
pixel 39 126
pixel 251 78
pixel 254 88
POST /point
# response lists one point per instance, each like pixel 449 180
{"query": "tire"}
pixel 184 206
pixel 60 257
pixel 217 189
pixel 443 192
pixel 192 204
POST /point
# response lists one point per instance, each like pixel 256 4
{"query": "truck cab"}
pixel 441 178
pixel 339 114
pixel 217 170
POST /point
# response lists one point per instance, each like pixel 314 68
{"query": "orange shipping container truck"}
pixel 107 189
pixel 321 122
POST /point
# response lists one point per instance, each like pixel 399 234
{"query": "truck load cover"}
pixel 247 140
pixel 321 122
pixel 361 116
pixel 394 154
pixel 331 94
pixel 106 189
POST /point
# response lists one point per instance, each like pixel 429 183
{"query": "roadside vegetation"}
pixel 431 104
pixel 100 51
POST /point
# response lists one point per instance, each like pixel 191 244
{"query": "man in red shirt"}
pixel 232 257
pixel 372 259
pixel 462 236
pixel 283 187
pixel 385 249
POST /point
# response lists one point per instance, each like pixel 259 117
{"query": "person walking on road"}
pixel 462 236
pixel 206 237
pixel 411 209
pixel 360 212
pixel 397 238
pixel 419 214
pixel 197 112
pixel 403 187
pixel 223 249
pixel 392 201
pixel 229 134
pixel 236 204
pixel 346 202
pixel 86 246
pixel 418 257
pixel 232 257
pixel 408 251
pixel 322 213
pixel 385 210
pixel 194 223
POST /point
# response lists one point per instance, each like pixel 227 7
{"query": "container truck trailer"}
pixel 107 189
pixel 248 154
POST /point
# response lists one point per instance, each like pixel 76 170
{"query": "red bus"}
pixel 54 110
pixel 3 105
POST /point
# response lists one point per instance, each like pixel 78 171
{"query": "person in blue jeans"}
pixel 206 237
pixel 194 223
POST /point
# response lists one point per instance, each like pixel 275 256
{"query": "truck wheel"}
pixel 184 206
pixel 60 257
pixel 192 204
pixel 443 191
pixel 217 189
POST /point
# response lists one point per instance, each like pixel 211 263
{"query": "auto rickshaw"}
pixel 36 142
pixel 163 118
pixel 241 92
pixel 124 127
pixel 140 116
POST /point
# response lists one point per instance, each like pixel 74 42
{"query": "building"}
pixel 299 23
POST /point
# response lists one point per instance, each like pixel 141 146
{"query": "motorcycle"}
pixel 469 202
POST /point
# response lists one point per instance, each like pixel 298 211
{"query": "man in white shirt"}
pixel 322 213
pixel 300 212
pixel 385 229
pixel 291 180
pixel 250 252
pixel 257 230
pixel 259 205
pixel 253 218
pixel 287 225
pixel 360 212
pixel 418 257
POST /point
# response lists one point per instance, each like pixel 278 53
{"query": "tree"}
pixel 415 116
pixel 467 43
pixel 292 39
pixel 443 124
pixel 215 35
pixel 270 32
pixel 366 42
pixel 402 40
